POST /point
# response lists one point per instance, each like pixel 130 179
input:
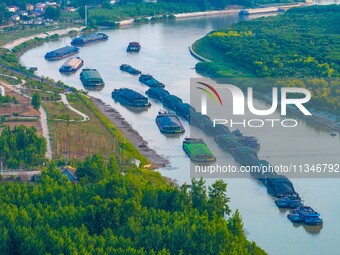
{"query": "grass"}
pixel 58 111
pixel 220 67
pixel 76 140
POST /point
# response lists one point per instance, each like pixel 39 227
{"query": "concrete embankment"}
pixel 132 135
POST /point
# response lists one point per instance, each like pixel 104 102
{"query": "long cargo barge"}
pixel 246 12
pixel 130 98
pixel 169 123
pixel 129 69
pixel 71 65
pixel 150 81
pixel 86 39
pixel 91 78
pixel 61 53
pixel 197 150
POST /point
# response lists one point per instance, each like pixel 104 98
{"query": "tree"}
pixel 218 200
pixel 36 101
pixel 52 13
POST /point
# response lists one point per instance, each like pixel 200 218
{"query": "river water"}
pixel 165 55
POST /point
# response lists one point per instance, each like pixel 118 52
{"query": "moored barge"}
pixel 71 65
pixel 91 78
pixel 61 53
pixel 86 39
pixel 130 98
pixel 169 123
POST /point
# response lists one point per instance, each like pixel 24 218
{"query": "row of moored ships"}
pixel 89 77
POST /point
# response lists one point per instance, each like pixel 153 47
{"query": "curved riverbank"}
pixel 60 32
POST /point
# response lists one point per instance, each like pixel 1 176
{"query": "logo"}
pixel 284 96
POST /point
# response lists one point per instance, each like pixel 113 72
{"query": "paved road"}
pixel 66 103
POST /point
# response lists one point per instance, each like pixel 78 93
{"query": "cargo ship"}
pixel 129 69
pixel 169 123
pixel 246 12
pixel 228 142
pixel 171 101
pixel 157 93
pixel 91 78
pixel 71 65
pixel 245 155
pixel 289 201
pixel 130 98
pixel 184 110
pixel 133 47
pixel 61 53
pixel 197 150
pixel 148 80
pixel 86 39
pixel 250 141
pixel 305 214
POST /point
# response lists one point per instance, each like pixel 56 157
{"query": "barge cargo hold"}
pixel 169 123
pixel 245 155
pixel 148 80
pixel 227 142
pixel 130 98
pixel 133 47
pixel 61 53
pixel 157 93
pixel 86 39
pixel 91 78
pixel 71 65
pixel 129 69
pixel 197 150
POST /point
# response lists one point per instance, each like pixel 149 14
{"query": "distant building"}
pixel 23 13
pixel 12 8
pixel 15 18
pixel 69 9
pixel 29 7
pixel 2 91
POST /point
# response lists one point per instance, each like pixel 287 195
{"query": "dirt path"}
pixel 156 160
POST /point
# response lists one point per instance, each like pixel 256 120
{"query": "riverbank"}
pixel 60 32
pixel 132 135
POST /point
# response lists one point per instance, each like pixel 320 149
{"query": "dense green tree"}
pixel 36 100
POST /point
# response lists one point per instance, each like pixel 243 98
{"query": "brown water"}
pixel 165 55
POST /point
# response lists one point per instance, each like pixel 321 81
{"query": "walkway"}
pixel 66 103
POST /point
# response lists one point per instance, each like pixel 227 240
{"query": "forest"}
pixel 118 213
pixel 21 147
pixel 303 43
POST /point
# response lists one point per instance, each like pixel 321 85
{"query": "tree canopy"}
pixel 116 214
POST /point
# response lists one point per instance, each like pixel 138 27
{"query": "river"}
pixel 165 55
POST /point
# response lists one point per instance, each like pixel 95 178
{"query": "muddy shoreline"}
pixel 156 160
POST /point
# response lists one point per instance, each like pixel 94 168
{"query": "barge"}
pixel 130 98
pixel 91 78
pixel 133 47
pixel 306 215
pixel 71 65
pixel 246 12
pixel 245 155
pixel 86 39
pixel 228 142
pixel 169 123
pixel 61 53
pixel 289 201
pixel 129 69
pixel 197 150
pixel 148 80
pixel 171 101
pixel 157 93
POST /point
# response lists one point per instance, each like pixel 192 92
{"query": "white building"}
pixel 2 91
